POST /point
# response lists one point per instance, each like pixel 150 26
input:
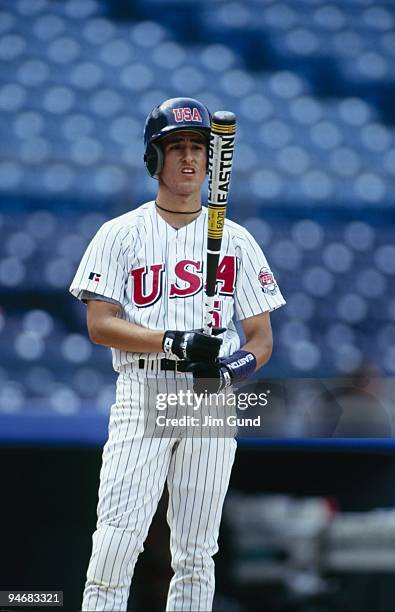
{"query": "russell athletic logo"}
pixel 95 277
pixel 186 114
pixel 267 281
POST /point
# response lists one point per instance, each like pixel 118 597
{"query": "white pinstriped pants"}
pixel 134 471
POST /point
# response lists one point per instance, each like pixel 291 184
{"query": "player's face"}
pixel 185 162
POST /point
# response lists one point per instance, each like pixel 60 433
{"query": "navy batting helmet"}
pixel 171 115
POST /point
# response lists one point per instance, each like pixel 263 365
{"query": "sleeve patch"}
pixel 267 281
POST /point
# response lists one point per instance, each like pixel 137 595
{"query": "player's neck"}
pixel 178 210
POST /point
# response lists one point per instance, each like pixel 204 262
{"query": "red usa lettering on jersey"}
pixel 186 114
pixel 193 280
pixel 143 278
pixel 226 275
pixel 147 287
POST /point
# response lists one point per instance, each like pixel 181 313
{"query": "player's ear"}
pixel 160 159
pixel 154 160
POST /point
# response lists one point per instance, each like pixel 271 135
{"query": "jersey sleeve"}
pixel 89 295
pixel 256 288
pixel 103 267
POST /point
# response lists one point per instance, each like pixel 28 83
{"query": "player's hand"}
pixel 215 377
pixel 192 345
pixel 209 377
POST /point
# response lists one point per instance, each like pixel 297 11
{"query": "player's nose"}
pixel 187 153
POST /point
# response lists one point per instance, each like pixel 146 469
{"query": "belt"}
pixel 165 364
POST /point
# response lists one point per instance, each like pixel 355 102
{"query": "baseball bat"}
pixel 220 160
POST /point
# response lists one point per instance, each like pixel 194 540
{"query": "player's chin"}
pixel 186 187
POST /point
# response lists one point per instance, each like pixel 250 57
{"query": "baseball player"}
pixel 142 277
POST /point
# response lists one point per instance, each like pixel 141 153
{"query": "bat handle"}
pixel 208 315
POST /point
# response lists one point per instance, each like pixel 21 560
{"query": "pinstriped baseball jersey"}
pixel 156 273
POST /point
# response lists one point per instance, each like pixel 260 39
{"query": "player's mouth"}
pixel 188 170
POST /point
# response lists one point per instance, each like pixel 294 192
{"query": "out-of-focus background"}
pixel 313 85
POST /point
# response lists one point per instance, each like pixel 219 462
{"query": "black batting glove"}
pixel 216 377
pixel 192 345
pixel 209 377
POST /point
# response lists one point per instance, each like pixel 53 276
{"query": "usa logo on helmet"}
pixel 267 281
pixel 186 114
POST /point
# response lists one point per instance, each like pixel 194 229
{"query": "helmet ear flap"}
pixel 154 160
